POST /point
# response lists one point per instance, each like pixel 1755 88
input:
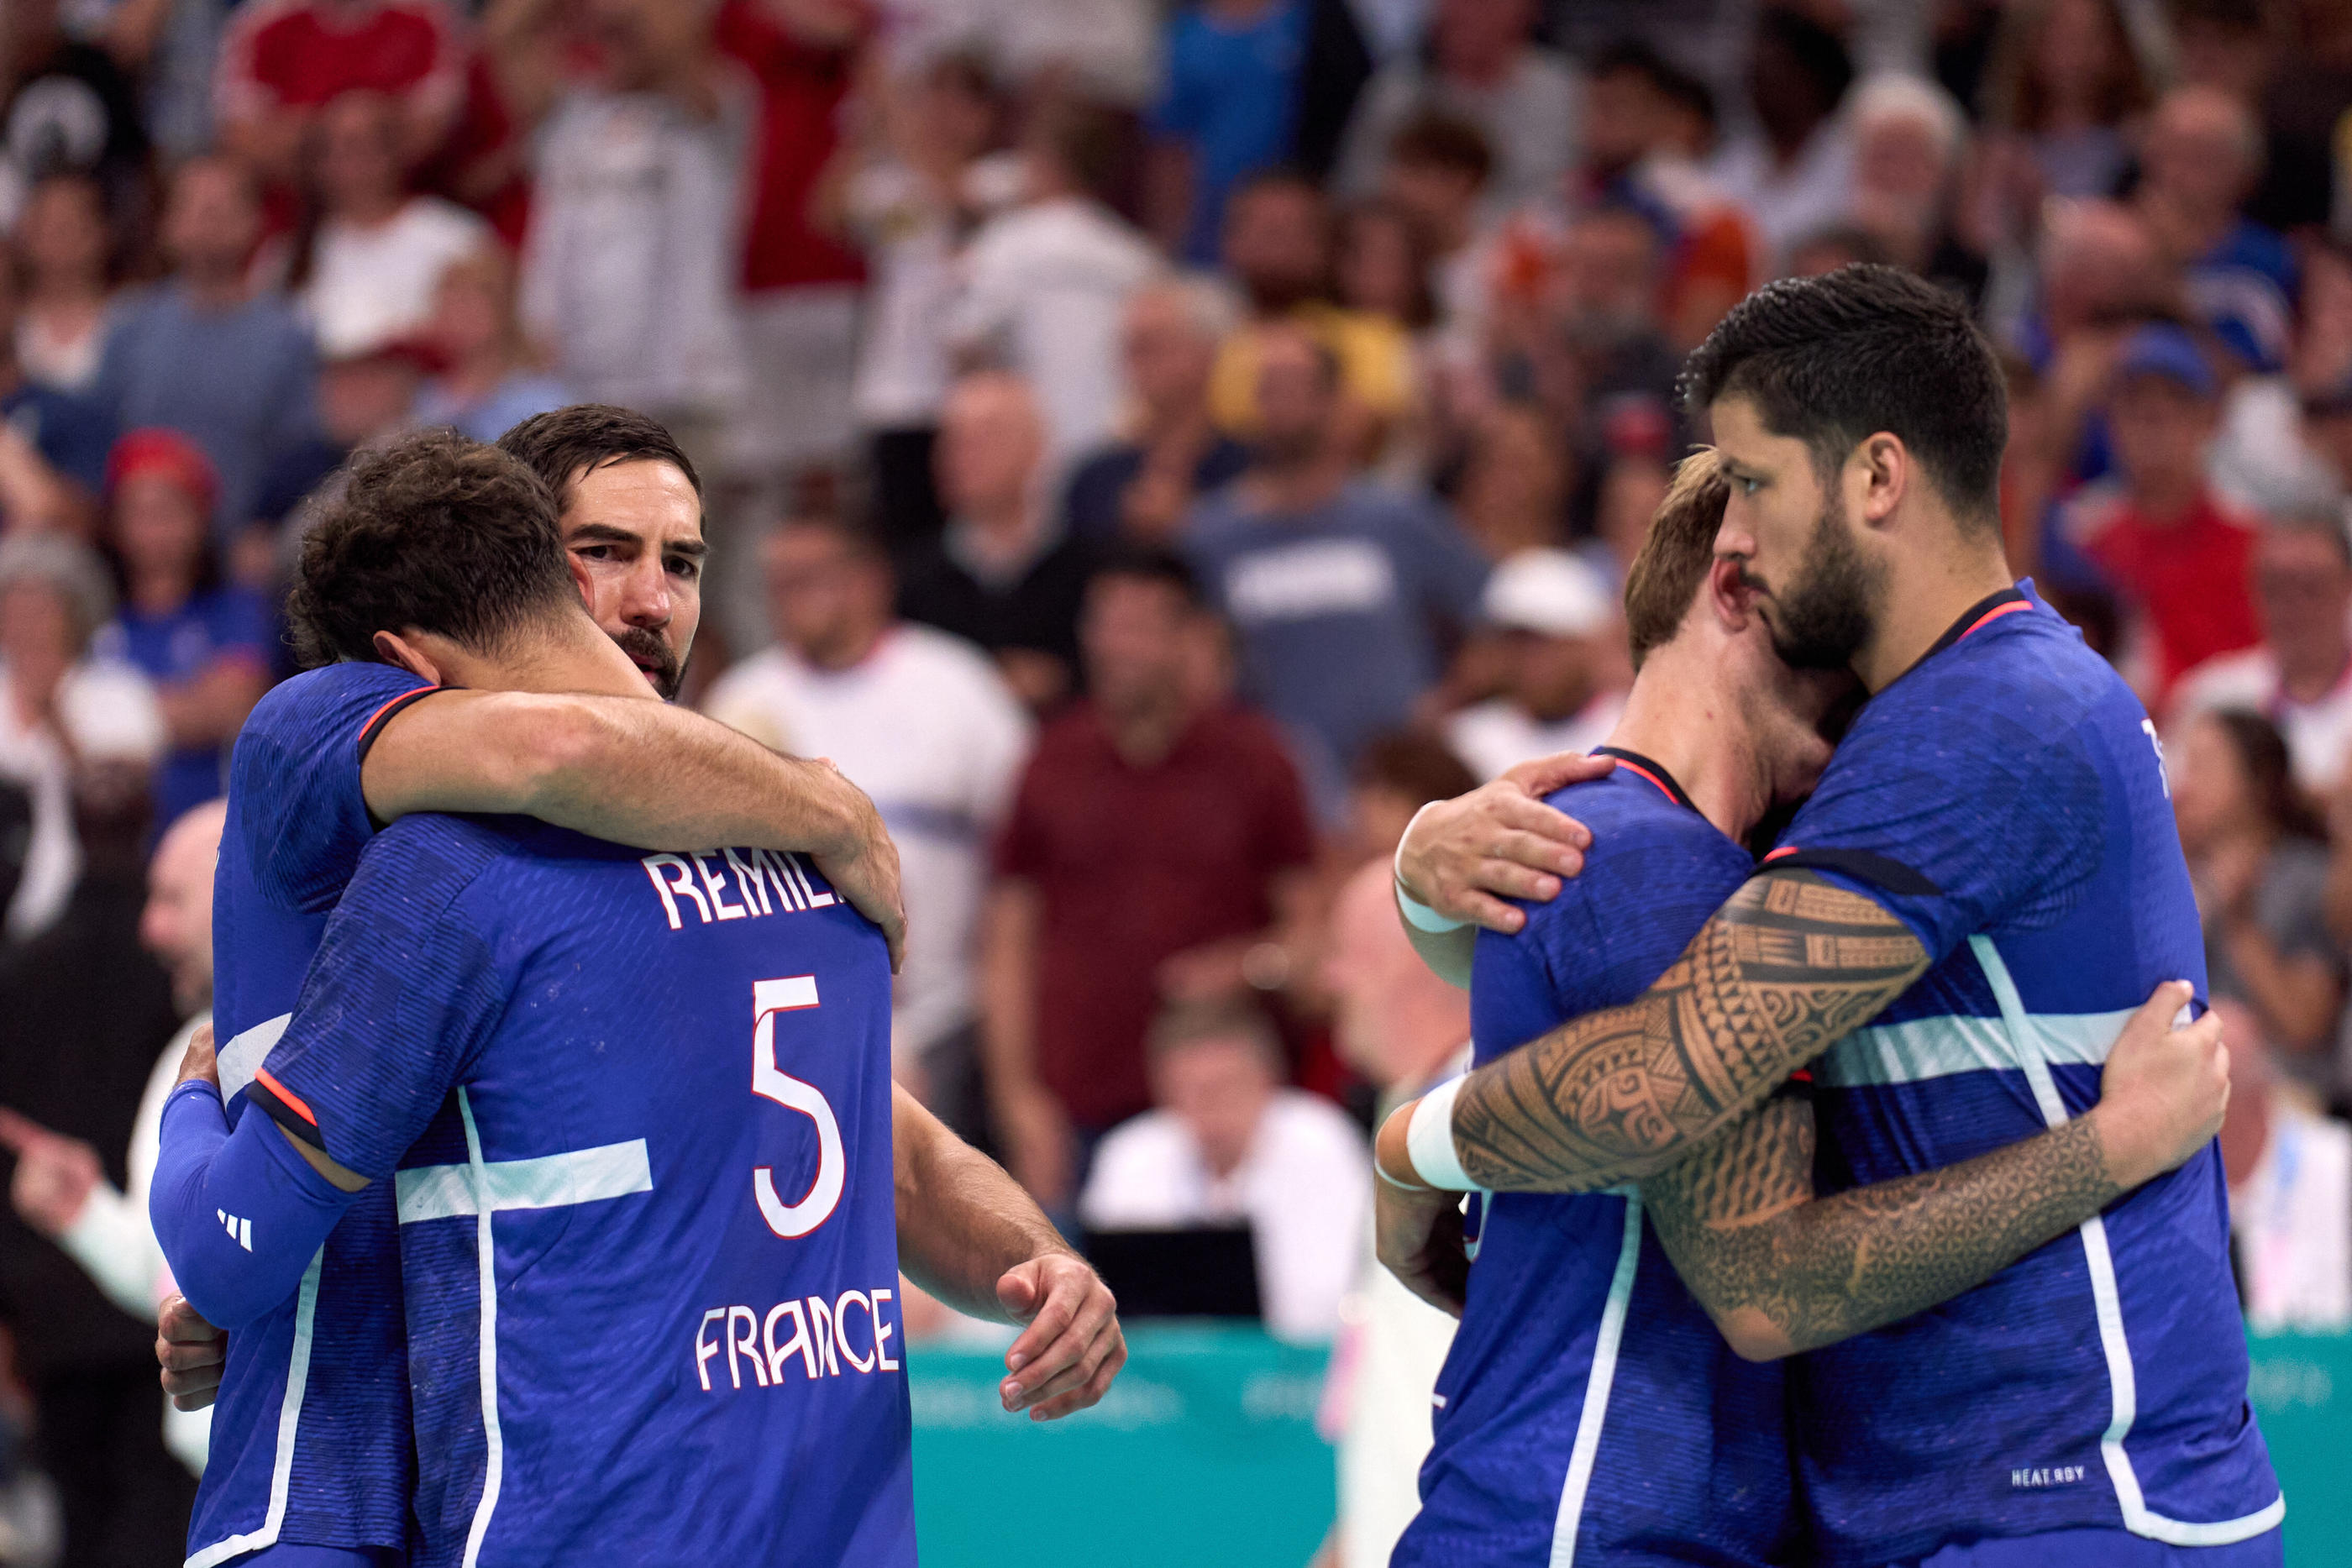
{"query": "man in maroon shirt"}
pixel 2156 531
pixel 1153 842
pixel 283 60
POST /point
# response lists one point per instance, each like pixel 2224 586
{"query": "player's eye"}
pixel 1749 485
pixel 688 570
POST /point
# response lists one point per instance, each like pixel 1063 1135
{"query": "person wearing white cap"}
pixel 1558 622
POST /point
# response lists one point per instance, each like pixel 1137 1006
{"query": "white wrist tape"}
pixel 1419 915
pixel 1429 1139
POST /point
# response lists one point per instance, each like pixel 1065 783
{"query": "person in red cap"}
pixel 206 643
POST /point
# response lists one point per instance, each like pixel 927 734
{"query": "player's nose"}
pixel 646 602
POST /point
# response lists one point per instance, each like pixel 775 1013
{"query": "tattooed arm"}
pixel 1788 965
pixel 1780 1270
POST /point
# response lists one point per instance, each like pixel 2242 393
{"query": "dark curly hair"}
pixel 434 532
pixel 563 445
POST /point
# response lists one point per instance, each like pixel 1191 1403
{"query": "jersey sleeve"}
pixel 295 770
pixel 402 992
pixel 1953 823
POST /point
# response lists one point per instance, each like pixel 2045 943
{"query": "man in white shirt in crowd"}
pixel 919 720
pixel 2300 674
pixel 1227 1141
pixel 2290 1171
pixel 1046 283
pixel 1563 657
pixel 68 723
pixel 1405 1029
pixel 61 1187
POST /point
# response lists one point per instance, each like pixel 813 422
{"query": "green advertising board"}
pixel 1206 1453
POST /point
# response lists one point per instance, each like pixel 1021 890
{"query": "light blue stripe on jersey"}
pixel 2123 1381
pixel 1938 1047
pixel 1597 1383
pixel 550 1181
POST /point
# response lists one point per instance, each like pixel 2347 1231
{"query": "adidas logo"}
pixel 239 1230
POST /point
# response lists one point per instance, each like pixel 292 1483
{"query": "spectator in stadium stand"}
pixel 1437 170
pixel 2301 673
pixel 1793 172
pixel 923 723
pixel 1513 493
pixel 800 285
pixel 1908 140
pixel 87 1013
pixel 363 266
pixel 2257 856
pixel 1226 1140
pixel 67 106
pixel 1558 623
pixel 630 270
pixel 1605 319
pixel 1481 64
pixel 905 194
pixel 489 382
pixel 1003 575
pixel 2062 87
pixel 1278 249
pixel 1147 827
pixel 1382 268
pixel 206 645
pixel 2290 1173
pixel 67 250
pixel 1339 592
pixel 2199 158
pixel 68 434
pixel 2154 533
pixel 283 61
pixel 1228 107
pixel 71 724
pixel 1045 280
pixel 62 1188
pixel 202 353
pixel 1140 486
pixel 1404 1029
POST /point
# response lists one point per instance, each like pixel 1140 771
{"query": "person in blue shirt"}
pixel 1590 1411
pixel 312 1452
pixel 209 646
pixel 1985 883
pixel 1229 109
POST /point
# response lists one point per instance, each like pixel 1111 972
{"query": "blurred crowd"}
pixel 1153 450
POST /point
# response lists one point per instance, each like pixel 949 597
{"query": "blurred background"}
pixel 1155 448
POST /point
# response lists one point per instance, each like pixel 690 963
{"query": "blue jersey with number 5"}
pixel 635 1110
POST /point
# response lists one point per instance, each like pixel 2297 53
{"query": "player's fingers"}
pixel 1076 1374
pixel 1546 823
pixel 1054 1316
pixel 1484 909
pixel 1068 1350
pixel 1543 775
pixel 1510 879
pixel 1089 1396
pixel 184 1355
pixel 201 1401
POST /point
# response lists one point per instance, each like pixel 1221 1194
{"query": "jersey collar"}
pixel 1652 771
pixel 1990 608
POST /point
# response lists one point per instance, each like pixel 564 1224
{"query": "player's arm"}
pixel 1460 859
pixel 969 1236
pixel 633 771
pixel 1788 966
pixel 1781 1270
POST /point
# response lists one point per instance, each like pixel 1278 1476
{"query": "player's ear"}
pixel 1728 596
pixel 1885 469
pixel 394 649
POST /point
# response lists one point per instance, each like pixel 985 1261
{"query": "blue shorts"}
pixel 2107 1548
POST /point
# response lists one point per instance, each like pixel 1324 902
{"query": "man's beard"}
pixel 667 672
pixel 1830 604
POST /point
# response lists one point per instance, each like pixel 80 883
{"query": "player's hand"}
pixel 1036 1133
pixel 1072 1348
pixel 1418 1236
pixel 54 1174
pixel 866 874
pixel 1499 840
pixel 199 1061
pixel 2163 1092
pixel 192 1353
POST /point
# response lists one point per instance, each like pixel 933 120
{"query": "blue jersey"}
pixel 636 1112
pixel 309 1436
pixel 1589 1412
pixel 2005 800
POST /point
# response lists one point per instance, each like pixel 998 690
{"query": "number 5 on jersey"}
pixel 770 1081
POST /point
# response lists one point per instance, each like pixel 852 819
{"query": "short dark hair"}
pixel 1150 563
pixel 1675 554
pixel 1433 138
pixel 434 532
pixel 1830 359
pixel 560 445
